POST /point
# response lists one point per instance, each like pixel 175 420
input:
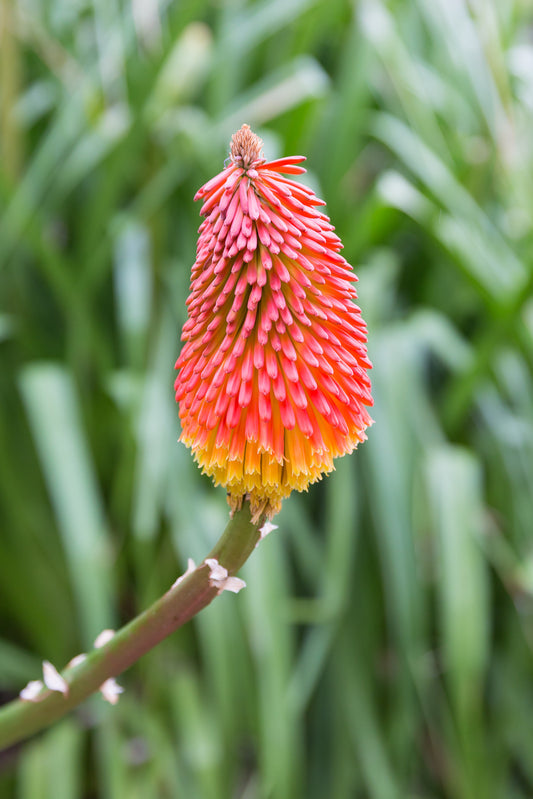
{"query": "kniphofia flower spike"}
pixel 272 382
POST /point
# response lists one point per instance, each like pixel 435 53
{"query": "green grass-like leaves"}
pixel 383 646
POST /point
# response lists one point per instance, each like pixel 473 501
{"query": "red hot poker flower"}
pixel 272 381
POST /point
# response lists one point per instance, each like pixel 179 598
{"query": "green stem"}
pixel 10 91
pixel 19 719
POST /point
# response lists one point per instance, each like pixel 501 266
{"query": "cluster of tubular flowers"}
pixel 272 382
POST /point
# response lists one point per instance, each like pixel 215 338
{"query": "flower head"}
pixel 272 381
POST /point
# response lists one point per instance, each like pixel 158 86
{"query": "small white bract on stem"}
pixel 219 578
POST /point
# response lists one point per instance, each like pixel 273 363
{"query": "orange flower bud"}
pixel 272 381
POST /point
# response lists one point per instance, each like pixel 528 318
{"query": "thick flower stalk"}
pixel 272 382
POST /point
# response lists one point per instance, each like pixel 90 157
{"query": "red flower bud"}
pixel 272 380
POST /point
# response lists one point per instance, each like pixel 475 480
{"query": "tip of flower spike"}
pixel 245 147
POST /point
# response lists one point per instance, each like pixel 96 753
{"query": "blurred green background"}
pixel 383 647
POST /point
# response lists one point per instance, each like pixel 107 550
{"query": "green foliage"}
pixel 383 647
